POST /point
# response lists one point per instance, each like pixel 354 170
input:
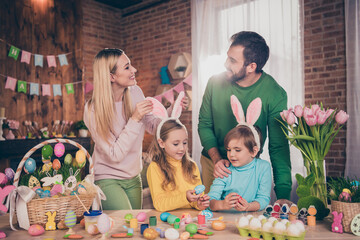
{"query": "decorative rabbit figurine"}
pixel 70 182
pixel 50 224
pixel 48 181
pixel 336 225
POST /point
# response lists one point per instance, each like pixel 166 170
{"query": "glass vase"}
pixel 317 167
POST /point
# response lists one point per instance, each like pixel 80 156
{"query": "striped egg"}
pixel 70 219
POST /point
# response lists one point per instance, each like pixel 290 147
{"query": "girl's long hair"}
pixel 102 99
pixel 158 155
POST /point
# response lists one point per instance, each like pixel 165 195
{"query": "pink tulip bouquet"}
pixel 312 131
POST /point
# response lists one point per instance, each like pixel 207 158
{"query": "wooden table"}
pixel 320 231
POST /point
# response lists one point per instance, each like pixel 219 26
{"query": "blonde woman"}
pixel 117 117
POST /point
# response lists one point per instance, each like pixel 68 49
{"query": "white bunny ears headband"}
pixel 252 114
pixel 160 111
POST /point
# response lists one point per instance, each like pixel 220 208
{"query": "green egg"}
pixel 191 228
pixel 47 151
pixel 128 217
pixel 68 159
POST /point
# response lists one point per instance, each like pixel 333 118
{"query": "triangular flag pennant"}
pixel 69 88
pixel 14 52
pixel 25 56
pixel 169 95
pixel 10 83
pixel 63 60
pixel 88 87
pixel 38 60
pixel 188 80
pixel 21 86
pixel 51 61
pixel 57 89
pixel 179 88
pixel 34 89
pixel 46 90
pixel 159 98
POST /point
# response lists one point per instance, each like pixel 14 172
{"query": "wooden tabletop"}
pixel 321 231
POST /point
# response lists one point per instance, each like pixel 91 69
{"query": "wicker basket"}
pixel 38 207
pixel 349 210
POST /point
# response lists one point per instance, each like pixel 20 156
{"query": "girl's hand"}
pixel 191 197
pixel 230 201
pixel 242 204
pixel 185 103
pixel 203 202
pixel 142 108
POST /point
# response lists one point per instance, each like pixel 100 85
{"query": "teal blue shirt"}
pixel 252 182
pixel 216 120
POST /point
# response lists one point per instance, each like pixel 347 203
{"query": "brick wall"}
pixel 325 67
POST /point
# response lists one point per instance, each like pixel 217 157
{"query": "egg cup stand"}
pixel 37 208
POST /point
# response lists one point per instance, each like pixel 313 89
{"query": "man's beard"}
pixel 238 77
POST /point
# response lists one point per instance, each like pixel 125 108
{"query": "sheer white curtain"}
pixel 352 22
pixel 278 21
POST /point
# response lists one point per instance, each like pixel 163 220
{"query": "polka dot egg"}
pixel 47 151
pixel 70 219
pixel 59 149
pixel 30 165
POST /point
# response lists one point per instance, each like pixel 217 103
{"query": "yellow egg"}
pixel 80 158
pixel 346 190
pixel 218 225
pixel 150 233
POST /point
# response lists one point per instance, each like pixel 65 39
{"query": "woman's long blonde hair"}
pixel 102 99
pixel 158 155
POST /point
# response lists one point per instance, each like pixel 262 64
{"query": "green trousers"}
pixel 121 194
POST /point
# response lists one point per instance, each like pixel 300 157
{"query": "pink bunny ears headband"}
pixel 252 114
pixel 160 111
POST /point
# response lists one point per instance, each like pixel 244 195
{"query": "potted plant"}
pixel 81 127
pixel 181 70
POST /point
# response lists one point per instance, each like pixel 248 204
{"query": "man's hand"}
pixel 220 168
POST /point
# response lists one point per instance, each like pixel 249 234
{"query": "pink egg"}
pixel 103 223
pixel 36 230
pixel 345 197
pixel 59 149
pixel 141 217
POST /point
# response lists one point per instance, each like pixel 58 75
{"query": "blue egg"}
pixel 30 165
pixel 208 214
pixel 164 216
pixel 199 189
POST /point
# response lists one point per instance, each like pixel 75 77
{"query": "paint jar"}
pixel 91 217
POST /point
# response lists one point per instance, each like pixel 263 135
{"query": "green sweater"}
pixel 216 120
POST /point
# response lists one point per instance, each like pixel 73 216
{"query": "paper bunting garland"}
pixel 21 86
pixel 63 60
pixel 25 57
pixel 88 87
pixel 51 61
pixel 34 89
pixel 14 52
pixel 69 88
pixel 10 83
pixel 169 95
pixel 46 90
pixel 57 89
pixel 38 60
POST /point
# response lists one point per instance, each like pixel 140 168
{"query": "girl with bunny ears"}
pixel 248 186
pixel 172 175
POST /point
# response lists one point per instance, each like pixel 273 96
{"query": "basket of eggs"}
pixel 54 187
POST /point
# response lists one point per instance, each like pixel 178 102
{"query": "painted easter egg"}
pixel 81 189
pixel 68 159
pixel 80 158
pixel 208 214
pixel 171 234
pixel 30 166
pixel 36 230
pixel 103 223
pixel 56 165
pixel 184 236
pixel 150 234
pixel 164 216
pixel 92 229
pixel 3 178
pixel 59 149
pixel 128 217
pixel 345 197
pixel 199 189
pixel 218 225
pixel 141 216
pixel 9 172
pixel 191 228
pixel 70 219
pixel 47 151
pixel 33 182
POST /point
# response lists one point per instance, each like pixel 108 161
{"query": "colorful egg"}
pixel 56 165
pixel 3 178
pixel 70 219
pixel 59 149
pixel 345 197
pixel 30 166
pixel 150 234
pixel 199 189
pixel 218 225
pixel 208 214
pixel 81 189
pixel 164 216
pixel 191 228
pixel 9 172
pixel 141 216
pixel 103 223
pixel 33 182
pixel 171 234
pixel 47 151
pixel 128 217
pixel 92 229
pixel 68 159
pixel 80 158
pixel 36 230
